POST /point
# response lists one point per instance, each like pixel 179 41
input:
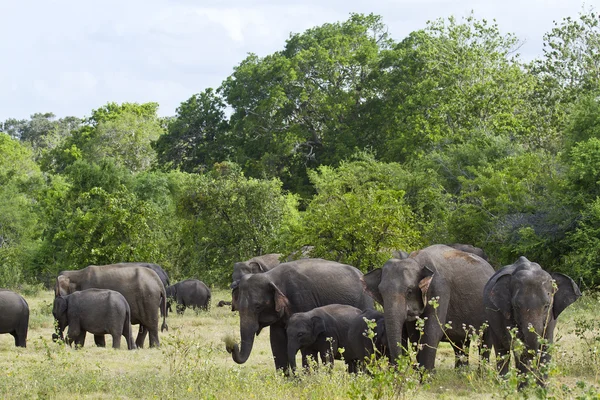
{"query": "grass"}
pixel 192 363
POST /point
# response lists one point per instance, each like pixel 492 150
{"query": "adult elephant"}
pixel 14 316
pixel 522 295
pixel 141 287
pixel 404 287
pixel 254 265
pixel 270 298
pixel 189 293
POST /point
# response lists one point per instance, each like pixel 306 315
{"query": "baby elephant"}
pixel 524 296
pixel 99 311
pixel 189 293
pixel 322 331
pixel 14 316
pixel 359 345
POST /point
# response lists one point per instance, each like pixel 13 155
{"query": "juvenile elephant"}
pixel 254 265
pixel 320 331
pixel 98 311
pixel 522 295
pixel 141 287
pixel 359 345
pixel 14 316
pixel 270 298
pixel 189 293
pixel 454 278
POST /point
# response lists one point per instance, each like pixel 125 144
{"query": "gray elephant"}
pixel 359 345
pixel 399 254
pixel 470 249
pixel 98 311
pixel 254 265
pixel 14 312
pixel 320 331
pixel 522 295
pixel 454 278
pixel 269 299
pixel 141 287
pixel 189 293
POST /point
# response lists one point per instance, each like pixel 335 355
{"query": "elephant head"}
pixel 64 286
pixel 302 331
pixel 401 286
pixel 260 303
pixel 59 311
pixel 528 297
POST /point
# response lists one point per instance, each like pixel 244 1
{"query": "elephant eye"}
pixel 300 334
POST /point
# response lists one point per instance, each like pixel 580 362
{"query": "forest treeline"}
pixel 346 139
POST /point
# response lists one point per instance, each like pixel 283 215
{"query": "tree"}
pixel 359 214
pixel 226 217
pixel 300 107
pixel 196 136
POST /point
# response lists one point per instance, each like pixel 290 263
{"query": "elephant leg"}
pixel 141 337
pixel 100 340
pixel 461 353
pixel 80 339
pixel 154 341
pixel 432 334
pixel 180 309
pixel 502 350
pixel 278 340
pixel 116 338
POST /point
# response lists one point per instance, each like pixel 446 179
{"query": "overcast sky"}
pixel 71 56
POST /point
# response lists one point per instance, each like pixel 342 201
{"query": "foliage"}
pixel 358 215
pixel 196 137
pixel 226 217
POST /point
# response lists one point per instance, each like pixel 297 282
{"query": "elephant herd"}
pixel 439 293
pixel 442 293
pixel 107 299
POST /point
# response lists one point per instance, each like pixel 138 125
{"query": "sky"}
pixel 70 57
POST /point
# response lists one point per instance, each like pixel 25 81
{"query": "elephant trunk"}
pixel 292 351
pixel 395 316
pixel 248 330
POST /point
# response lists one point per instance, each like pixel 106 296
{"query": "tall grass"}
pixel 192 363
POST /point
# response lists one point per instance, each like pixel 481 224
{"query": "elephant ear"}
pixel 282 304
pixel 63 286
pixel 500 295
pixel 425 282
pixel 318 325
pixel 257 267
pixel 371 282
pixel 567 293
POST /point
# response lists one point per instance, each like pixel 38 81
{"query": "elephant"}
pixel 399 254
pixel 254 265
pixel 223 303
pixel 14 312
pixel 522 296
pixel 469 249
pixel 359 345
pixel 454 278
pixel 320 331
pixel 189 293
pixel 141 287
pixel 98 311
pixel 270 298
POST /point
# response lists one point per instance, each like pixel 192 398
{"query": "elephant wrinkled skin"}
pixel 14 316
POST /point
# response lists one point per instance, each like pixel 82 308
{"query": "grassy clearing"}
pixel 192 363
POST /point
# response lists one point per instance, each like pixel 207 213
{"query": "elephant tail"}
pixel 163 305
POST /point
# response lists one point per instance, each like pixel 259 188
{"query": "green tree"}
pixel 359 215
pixel 196 137
pixel 226 217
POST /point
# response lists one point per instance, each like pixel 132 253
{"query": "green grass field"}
pixel 192 363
